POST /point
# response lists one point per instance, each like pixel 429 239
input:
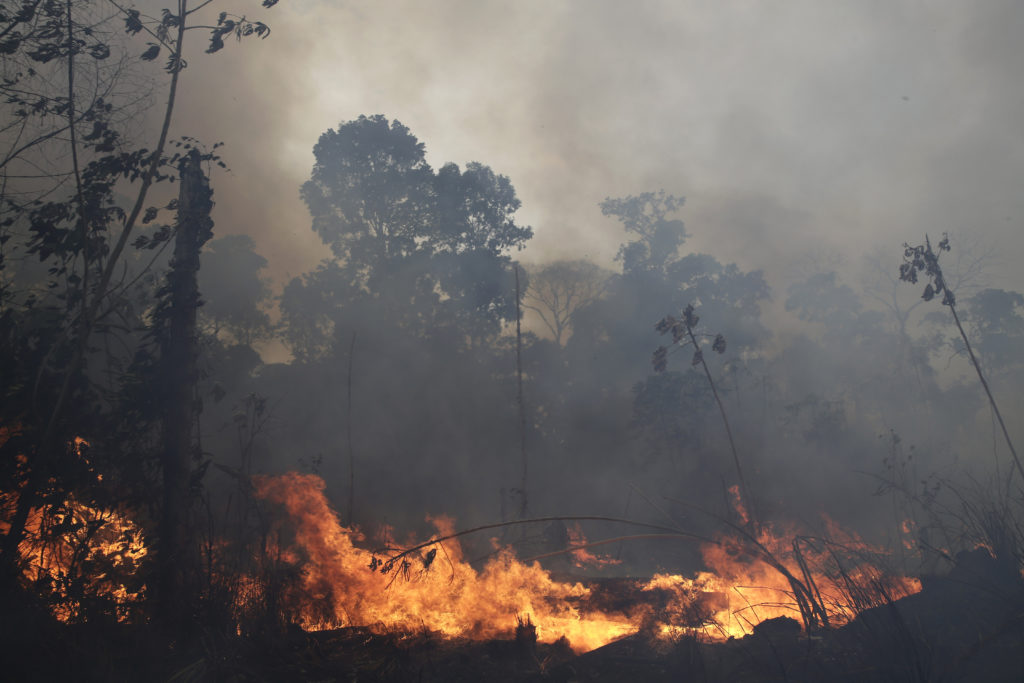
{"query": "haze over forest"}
pixel 808 127
pixel 765 163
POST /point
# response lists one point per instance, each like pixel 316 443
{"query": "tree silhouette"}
pixel 560 289
pixel 235 292
pixel 422 250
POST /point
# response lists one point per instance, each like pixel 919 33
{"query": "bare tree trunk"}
pixel 178 362
pixel 522 407
pixel 351 451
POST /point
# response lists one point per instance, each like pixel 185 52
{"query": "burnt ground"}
pixel 965 626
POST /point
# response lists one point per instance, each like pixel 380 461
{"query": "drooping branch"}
pixel 392 560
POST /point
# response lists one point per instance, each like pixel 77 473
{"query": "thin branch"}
pixel 606 541
pixel 83 224
pixel 148 30
pixel 11 26
pixel 538 520
pixel 197 8
pixel 988 392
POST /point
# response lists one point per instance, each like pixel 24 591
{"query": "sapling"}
pixel 923 259
pixel 682 336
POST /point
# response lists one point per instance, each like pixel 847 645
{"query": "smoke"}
pixel 872 122
pixel 796 132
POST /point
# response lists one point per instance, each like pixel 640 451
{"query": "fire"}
pixel 437 590
pixel 340 584
pixel 838 575
pixel 314 572
pixel 581 555
pixel 80 557
pixel 75 553
pixel 738 505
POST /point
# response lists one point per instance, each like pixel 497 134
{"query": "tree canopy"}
pixel 426 250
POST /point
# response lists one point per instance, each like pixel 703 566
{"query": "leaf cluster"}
pixel 38 30
pixel 923 259
pixel 238 26
pixel 682 333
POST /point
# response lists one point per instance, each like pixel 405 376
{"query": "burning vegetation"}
pixel 433 587
pixel 749 510
pixel 322 576
pixel 83 561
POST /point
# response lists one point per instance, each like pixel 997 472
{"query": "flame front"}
pixel 316 575
pixel 338 589
pixel 440 591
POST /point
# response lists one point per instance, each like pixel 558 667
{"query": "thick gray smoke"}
pixel 810 140
pixel 788 128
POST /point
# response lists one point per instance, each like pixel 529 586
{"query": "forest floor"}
pixel 965 626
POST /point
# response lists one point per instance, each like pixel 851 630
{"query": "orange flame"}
pixel 437 589
pixel 323 579
pixel 737 503
pixel 581 555
pixel 75 553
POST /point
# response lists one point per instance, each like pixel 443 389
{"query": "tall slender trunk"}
pixel 522 407
pixel 351 451
pixel 179 372
pixel 746 496
pixel 988 392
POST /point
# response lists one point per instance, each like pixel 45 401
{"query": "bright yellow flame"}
pixel 438 590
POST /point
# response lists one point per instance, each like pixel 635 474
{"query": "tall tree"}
pixel 426 251
pixel 421 274
pixel 560 289
pixel 640 417
pixel 236 293
pixel 179 375
pixel 655 236
pixel 656 278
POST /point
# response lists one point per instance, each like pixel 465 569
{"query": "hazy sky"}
pixel 790 127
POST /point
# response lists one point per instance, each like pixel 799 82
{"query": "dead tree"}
pixel 179 374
